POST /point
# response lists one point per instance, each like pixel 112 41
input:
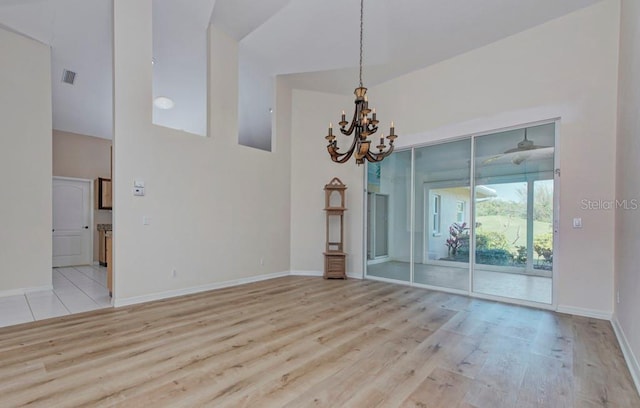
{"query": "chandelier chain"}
pixel 362 127
pixel 361 32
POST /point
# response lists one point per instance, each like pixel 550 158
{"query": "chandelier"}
pixel 362 126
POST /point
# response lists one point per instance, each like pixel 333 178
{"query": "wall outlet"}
pixel 618 296
pixel 174 273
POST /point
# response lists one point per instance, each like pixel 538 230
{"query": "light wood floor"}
pixel 302 342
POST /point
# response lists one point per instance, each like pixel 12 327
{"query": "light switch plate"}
pixel 577 223
pixel 138 191
pixel 138 183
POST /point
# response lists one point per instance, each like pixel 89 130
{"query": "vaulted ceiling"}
pixel 314 42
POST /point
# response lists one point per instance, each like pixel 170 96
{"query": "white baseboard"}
pixel 629 357
pixel 579 311
pixel 119 302
pixel 305 273
pixel 352 275
pixel 24 291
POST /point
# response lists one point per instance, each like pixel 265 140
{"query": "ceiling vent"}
pixel 68 77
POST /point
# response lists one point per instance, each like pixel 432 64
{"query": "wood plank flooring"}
pixel 307 342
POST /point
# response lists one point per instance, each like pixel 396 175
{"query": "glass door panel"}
pixel 389 217
pixel 442 215
pixel 542 254
pixel 514 212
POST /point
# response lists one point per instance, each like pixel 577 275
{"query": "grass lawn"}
pixel 514 229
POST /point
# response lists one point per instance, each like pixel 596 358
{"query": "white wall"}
pixel 25 164
pixel 311 170
pixel 255 97
pixel 565 68
pixel 216 208
pixel 627 186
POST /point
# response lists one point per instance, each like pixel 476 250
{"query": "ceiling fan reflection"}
pixel 525 150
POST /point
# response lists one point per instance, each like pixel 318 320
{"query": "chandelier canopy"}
pixel 362 126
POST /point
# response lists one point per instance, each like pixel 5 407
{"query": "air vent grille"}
pixel 68 77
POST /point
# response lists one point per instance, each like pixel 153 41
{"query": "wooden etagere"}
pixel 335 265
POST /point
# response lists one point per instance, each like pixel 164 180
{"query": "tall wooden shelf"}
pixel 335 262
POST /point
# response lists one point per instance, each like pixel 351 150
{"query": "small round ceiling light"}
pixel 162 102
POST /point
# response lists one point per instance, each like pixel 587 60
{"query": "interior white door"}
pixel 72 240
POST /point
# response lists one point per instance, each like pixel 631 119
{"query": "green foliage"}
pixel 543 245
pixel 543 208
pixel 496 206
pixel 458 237
pixel 491 240
pixel 521 255
pixel 493 256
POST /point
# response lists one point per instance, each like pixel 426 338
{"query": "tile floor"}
pixel 510 285
pixel 76 289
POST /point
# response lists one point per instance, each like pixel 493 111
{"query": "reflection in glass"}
pixel 514 214
pixel 442 218
pixel 388 217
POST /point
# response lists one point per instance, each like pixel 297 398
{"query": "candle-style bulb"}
pixel 331 125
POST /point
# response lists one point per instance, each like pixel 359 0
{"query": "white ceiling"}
pixel 315 42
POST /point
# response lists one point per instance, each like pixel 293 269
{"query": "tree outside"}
pixel 501 226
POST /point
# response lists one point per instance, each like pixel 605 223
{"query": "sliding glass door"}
pixel 514 214
pixel 474 215
pixel 389 218
pixel 441 215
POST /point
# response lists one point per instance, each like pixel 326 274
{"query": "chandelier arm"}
pixel 352 126
pixel 378 157
pixel 341 157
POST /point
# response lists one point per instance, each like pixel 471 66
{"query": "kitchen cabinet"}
pixel 102 248
pixel 103 229
pixel 109 256
pixel 103 193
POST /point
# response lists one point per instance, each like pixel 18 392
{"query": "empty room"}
pixel 338 203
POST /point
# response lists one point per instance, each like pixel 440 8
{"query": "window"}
pixel 437 200
pixel 460 212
